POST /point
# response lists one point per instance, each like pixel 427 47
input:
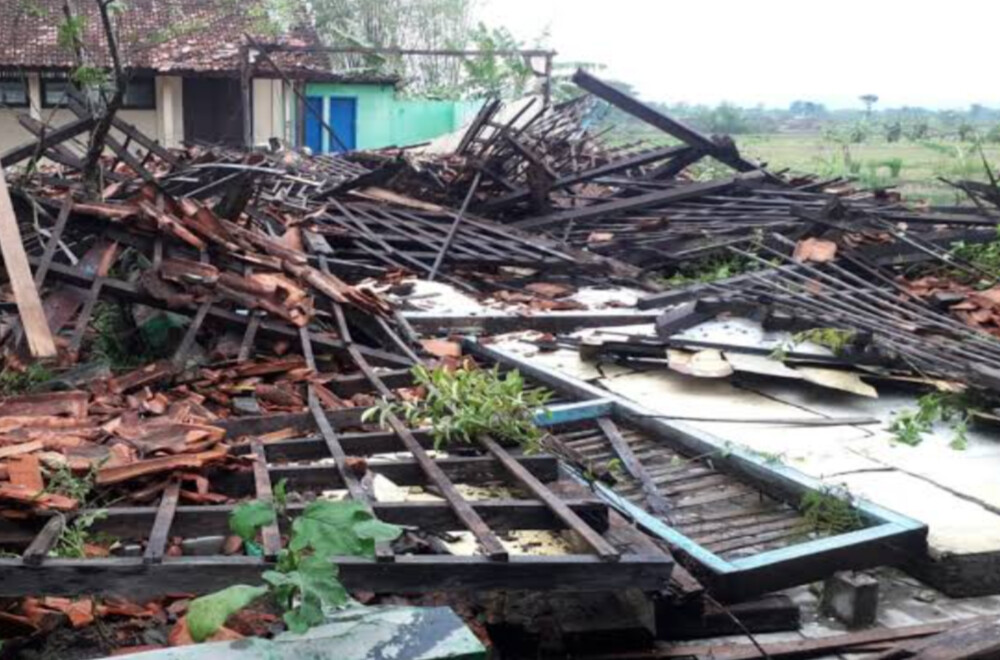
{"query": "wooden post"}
pixel 29 305
pixel 547 85
pixel 246 96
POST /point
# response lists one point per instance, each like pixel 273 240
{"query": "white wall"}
pixel 165 123
pixel 170 111
pixel 271 117
pixel 11 133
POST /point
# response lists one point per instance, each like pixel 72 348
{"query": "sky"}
pixel 772 52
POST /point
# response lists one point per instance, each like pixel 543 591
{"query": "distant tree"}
pixel 729 119
pixel 966 131
pixel 869 100
pixel 993 135
pixel 893 131
pixel 807 109
pixel 918 129
pixel 857 133
pixel 398 24
pixel 423 24
pixel 492 75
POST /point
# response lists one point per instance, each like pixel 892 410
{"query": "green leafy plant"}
pixel 711 269
pixel 113 330
pixel 304 582
pixel 13 382
pixel 61 481
pixel 836 339
pixel 984 256
pixel 830 511
pixel 463 404
pixel 960 441
pixel 70 32
pixel 909 426
pixel 73 541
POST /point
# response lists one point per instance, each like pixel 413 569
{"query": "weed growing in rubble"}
pixel 984 256
pixel 14 382
pixel 462 404
pixel 61 481
pixel 830 511
pixel 305 580
pixel 75 537
pixel 834 339
pixel 704 271
pixel 112 326
pixel 910 426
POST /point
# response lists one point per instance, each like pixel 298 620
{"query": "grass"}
pixel 912 165
pixel 830 511
pixel 13 382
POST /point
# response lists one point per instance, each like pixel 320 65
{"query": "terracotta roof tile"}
pixel 164 35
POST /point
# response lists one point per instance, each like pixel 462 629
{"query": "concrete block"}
pixel 852 598
pixel 203 546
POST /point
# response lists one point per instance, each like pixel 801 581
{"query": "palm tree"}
pixel 869 100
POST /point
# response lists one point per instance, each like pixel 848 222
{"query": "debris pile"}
pixel 217 322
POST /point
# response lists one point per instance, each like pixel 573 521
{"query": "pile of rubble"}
pixel 205 303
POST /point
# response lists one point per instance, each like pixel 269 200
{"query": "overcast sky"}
pixel 916 52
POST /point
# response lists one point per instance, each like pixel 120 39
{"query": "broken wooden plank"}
pixel 156 546
pixel 54 239
pixel 807 648
pixel 48 139
pixel 114 475
pixel 656 501
pixel 613 206
pixel 43 543
pixel 774 613
pixel 727 153
pixel 72 404
pixel 21 448
pixel 411 574
pixel 976 640
pixel 29 303
pixel 133 523
pixel 270 535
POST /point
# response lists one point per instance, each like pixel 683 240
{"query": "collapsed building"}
pixel 212 326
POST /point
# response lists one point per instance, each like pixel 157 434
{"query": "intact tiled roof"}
pixel 202 36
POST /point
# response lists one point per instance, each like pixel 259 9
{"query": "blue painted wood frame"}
pixel 889 535
pixel 314 128
pixel 344 122
pixel 579 411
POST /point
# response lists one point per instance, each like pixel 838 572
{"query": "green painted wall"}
pixel 417 120
pixel 385 120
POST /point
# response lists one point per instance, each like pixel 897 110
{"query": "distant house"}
pixel 185 57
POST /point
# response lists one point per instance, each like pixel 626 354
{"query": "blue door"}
pixel 314 128
pixel 344 122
